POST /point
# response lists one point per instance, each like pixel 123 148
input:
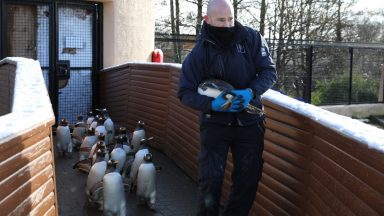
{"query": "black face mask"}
pixel 224 35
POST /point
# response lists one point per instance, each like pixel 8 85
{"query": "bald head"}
pixel 220 13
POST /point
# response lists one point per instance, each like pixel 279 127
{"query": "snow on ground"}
pixel 364 133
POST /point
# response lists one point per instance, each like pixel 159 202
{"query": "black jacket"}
pixel 244 63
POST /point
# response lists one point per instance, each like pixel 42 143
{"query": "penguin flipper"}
pixel 84 165
pixel 95 189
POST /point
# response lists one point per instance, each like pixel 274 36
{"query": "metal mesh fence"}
pixel 322 73
pixel 75 43
pixel 28 34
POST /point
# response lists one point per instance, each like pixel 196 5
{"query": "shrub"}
pixel 336 91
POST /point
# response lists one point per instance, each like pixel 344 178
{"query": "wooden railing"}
pixel 27 174
pixel 310 167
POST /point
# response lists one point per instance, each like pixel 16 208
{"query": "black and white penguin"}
pixel 79 132
pixel 100 128
pixel 100 144
pixel 126 143
pixel 93 188
pixel 88 142
pixel 146 182
pixel 139 157
pixel 90 118
pixel 138 135
pixel 113 191
pixel 118 154
pixel 109 126
pixel 63 138
pixel 88 155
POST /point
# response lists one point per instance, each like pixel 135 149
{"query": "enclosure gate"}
pixel 64 36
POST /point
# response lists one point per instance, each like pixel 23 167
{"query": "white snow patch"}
pixel 31 105
pixel 355 129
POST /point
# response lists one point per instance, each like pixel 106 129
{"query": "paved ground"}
pixel 176 192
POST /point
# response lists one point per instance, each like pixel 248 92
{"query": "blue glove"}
pixel 226 102
pixel 245 96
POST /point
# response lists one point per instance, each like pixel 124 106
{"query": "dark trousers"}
pixel 247 144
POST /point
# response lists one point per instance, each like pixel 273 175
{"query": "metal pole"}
pixel 308 87
pixel 350 74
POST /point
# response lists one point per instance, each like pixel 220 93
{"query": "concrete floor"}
pixel 176 192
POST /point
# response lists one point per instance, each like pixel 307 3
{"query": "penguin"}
pixel 99 145
pixel 109 126
pixel 130 154
pixel 94 122
pixel 93 188
pixel 88 142
pixel 78 133
pixel 126 144
pixel 139 156
pixel 90 118
pixel 85 163
pixel 146 182
pixel 100 128
pixel 138 135
pixel 63 139
pixel 114 202
pixel 118 154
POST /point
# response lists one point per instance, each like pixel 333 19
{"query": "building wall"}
pixel 129 31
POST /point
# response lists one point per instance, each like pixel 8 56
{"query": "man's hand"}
pixel 245 96
pixel 227 102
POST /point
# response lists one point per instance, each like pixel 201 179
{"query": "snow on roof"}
pixel 31 105
pixel 355 129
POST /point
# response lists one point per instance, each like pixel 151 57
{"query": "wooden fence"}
pixel 310 168
pixel 27 174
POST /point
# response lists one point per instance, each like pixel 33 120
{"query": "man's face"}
pixel 220 16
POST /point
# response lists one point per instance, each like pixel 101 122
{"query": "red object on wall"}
pixel 157 56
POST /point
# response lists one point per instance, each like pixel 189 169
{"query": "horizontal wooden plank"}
pixel 19 177
pixel 284 166
pixel 149 101
pixel 288 143
pixel 258 210
pixel 362 171
pixel 45 205
pixel 323 192
pixel 10 150
pixel 340 192
pixel 13 200
pixel 31 205
pixel 288 181
pixel 147 91
pixel 154 86
pixel 287 155
pixel 269 205
pixel 150 73
pixel 282 196
pixel 289 131
pixel 340 171
pixel 361 152
pixel 320 208
pixel 296 121
pixel 21 159
pixel 30 132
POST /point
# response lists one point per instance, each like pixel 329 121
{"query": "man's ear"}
pixel 206 19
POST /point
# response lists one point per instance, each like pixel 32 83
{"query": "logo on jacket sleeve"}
pixel 263 52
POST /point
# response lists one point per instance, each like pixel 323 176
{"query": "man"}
pixel 236 54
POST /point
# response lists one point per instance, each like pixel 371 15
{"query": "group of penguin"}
pixel 115 161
